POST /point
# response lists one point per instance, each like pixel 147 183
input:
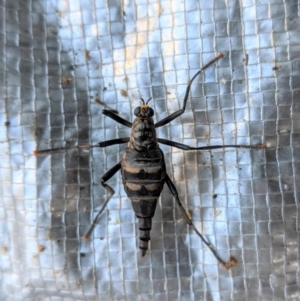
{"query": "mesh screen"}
pixel 60 58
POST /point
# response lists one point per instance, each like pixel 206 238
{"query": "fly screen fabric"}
pixel 62 62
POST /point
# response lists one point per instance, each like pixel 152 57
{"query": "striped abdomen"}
pixel 143 175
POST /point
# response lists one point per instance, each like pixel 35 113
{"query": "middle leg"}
pixel 187 147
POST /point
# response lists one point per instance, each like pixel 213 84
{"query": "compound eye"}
pixel 150 112
pixel 137 111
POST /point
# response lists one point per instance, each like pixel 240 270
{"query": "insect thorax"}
pixel 143 134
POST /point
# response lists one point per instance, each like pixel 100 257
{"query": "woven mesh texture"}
pixel 59 58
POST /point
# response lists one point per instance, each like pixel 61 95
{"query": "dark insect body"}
pixel 143 171
pixel 143 168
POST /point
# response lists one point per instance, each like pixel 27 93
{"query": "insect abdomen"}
pixel 143 175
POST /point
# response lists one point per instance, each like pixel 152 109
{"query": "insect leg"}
pixel 111 192
pixel 50 150
pixel 113 142
pixel 84 146
pixel 98 101
pixel 187 147
pixel 227 265
pixel 116 117
pixel 181 111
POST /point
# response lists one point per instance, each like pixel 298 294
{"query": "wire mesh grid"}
pixel 59 59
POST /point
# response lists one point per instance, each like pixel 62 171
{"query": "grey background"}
pixel 57 57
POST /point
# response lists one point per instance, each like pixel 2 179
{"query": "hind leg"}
pixel 232 261
pixel 111 192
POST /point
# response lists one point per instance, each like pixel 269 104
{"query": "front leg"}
pixel 116 117
pixel 181 111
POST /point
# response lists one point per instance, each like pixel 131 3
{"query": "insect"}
pixel 143 167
